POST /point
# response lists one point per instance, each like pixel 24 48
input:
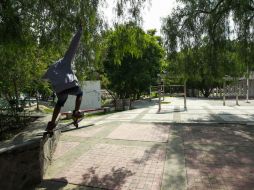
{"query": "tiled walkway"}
pixel 141 132
pixel 116 167
pixel 144 150
pixel 219 157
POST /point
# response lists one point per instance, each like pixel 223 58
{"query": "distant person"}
pixel 64 81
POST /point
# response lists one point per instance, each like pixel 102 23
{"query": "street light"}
pixel 159 90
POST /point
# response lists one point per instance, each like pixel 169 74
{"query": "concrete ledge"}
pixel 23 163
pixel 20 166
pixel 47 148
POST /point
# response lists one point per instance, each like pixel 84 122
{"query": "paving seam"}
pixel 177 114
pixel 85 186
pixel 128 140
pixel 102 118
pixel 216 118
pixel 140 115
pixel 164 165
pixel 246 112
pixel 185 166
pixel 181 168
pixel 184 154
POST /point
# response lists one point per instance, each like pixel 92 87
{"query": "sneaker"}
pixel 77 114
pixel 50 126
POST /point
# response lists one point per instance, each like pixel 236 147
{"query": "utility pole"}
pixel 247 85
pixel 237 91
pixel 224 92
pixel 185 95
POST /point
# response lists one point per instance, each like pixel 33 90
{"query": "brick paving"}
pixel 223 158
pixel 132 151
pixel 117 167
pixel 123 116
pixel 141 132
pixel 84 132
pixel 158 117
pixel 224 135
pixel 63 147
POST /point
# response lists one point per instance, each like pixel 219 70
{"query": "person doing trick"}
pixel 64 81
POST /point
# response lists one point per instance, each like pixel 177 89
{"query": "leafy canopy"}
pixel 133 60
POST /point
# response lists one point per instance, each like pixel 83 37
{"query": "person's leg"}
pixel 56 111
pixel 78 92
pixel 62 97
pixel 78 102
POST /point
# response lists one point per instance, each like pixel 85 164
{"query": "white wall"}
pixel 91 97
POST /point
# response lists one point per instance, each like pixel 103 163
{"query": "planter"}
pixel 122 104
pixel 119 105
pixel 126 102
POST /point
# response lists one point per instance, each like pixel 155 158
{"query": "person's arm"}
pixel 70 53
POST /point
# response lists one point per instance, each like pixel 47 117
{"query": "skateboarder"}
pixel 64 81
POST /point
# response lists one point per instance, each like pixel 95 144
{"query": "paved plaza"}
pixel 207 146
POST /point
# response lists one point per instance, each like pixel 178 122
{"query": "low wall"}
pixel 91 97
pixel 24 164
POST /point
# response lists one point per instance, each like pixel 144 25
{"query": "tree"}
pixel 202 31
pixel 133 60
pixel 33 34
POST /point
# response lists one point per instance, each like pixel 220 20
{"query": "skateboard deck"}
pixel 75 122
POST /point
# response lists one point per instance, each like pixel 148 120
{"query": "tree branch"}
pixel 250 7
pixel 209 12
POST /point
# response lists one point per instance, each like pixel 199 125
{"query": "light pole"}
pixel 185 95
pixel 247 85
pixel 159 91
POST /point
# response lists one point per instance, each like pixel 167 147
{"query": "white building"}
pixel 91 97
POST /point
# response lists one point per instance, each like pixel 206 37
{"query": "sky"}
pixel 151 15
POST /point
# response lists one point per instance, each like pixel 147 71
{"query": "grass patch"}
pixel 14 126
pixel 6 135
pixel 65 121
pixel 165 102
pixel 98 114
pixel 47 110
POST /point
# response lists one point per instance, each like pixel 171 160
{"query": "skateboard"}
pixel 75 122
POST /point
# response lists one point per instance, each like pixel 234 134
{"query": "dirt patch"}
pixel 10 126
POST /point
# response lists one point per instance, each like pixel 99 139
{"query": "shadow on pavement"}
pixel 219 156
pixel 225 117
pixel 172 155
pixel 73 129
pixel 207 156
pixel 144 103
pixel 52 184
pixel 148 154
pixel 113 180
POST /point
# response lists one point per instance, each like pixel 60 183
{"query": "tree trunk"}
pixel 16 96
pixel 37 101
pixel 206 92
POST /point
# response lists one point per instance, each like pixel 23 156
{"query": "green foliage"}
pixel 130 10
pixel 206 40
pixel 133 60
pixel 35 33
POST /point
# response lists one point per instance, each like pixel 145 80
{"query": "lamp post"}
pixel 159 91
pixel 185 95
pixel 247 85
pixel 225 78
